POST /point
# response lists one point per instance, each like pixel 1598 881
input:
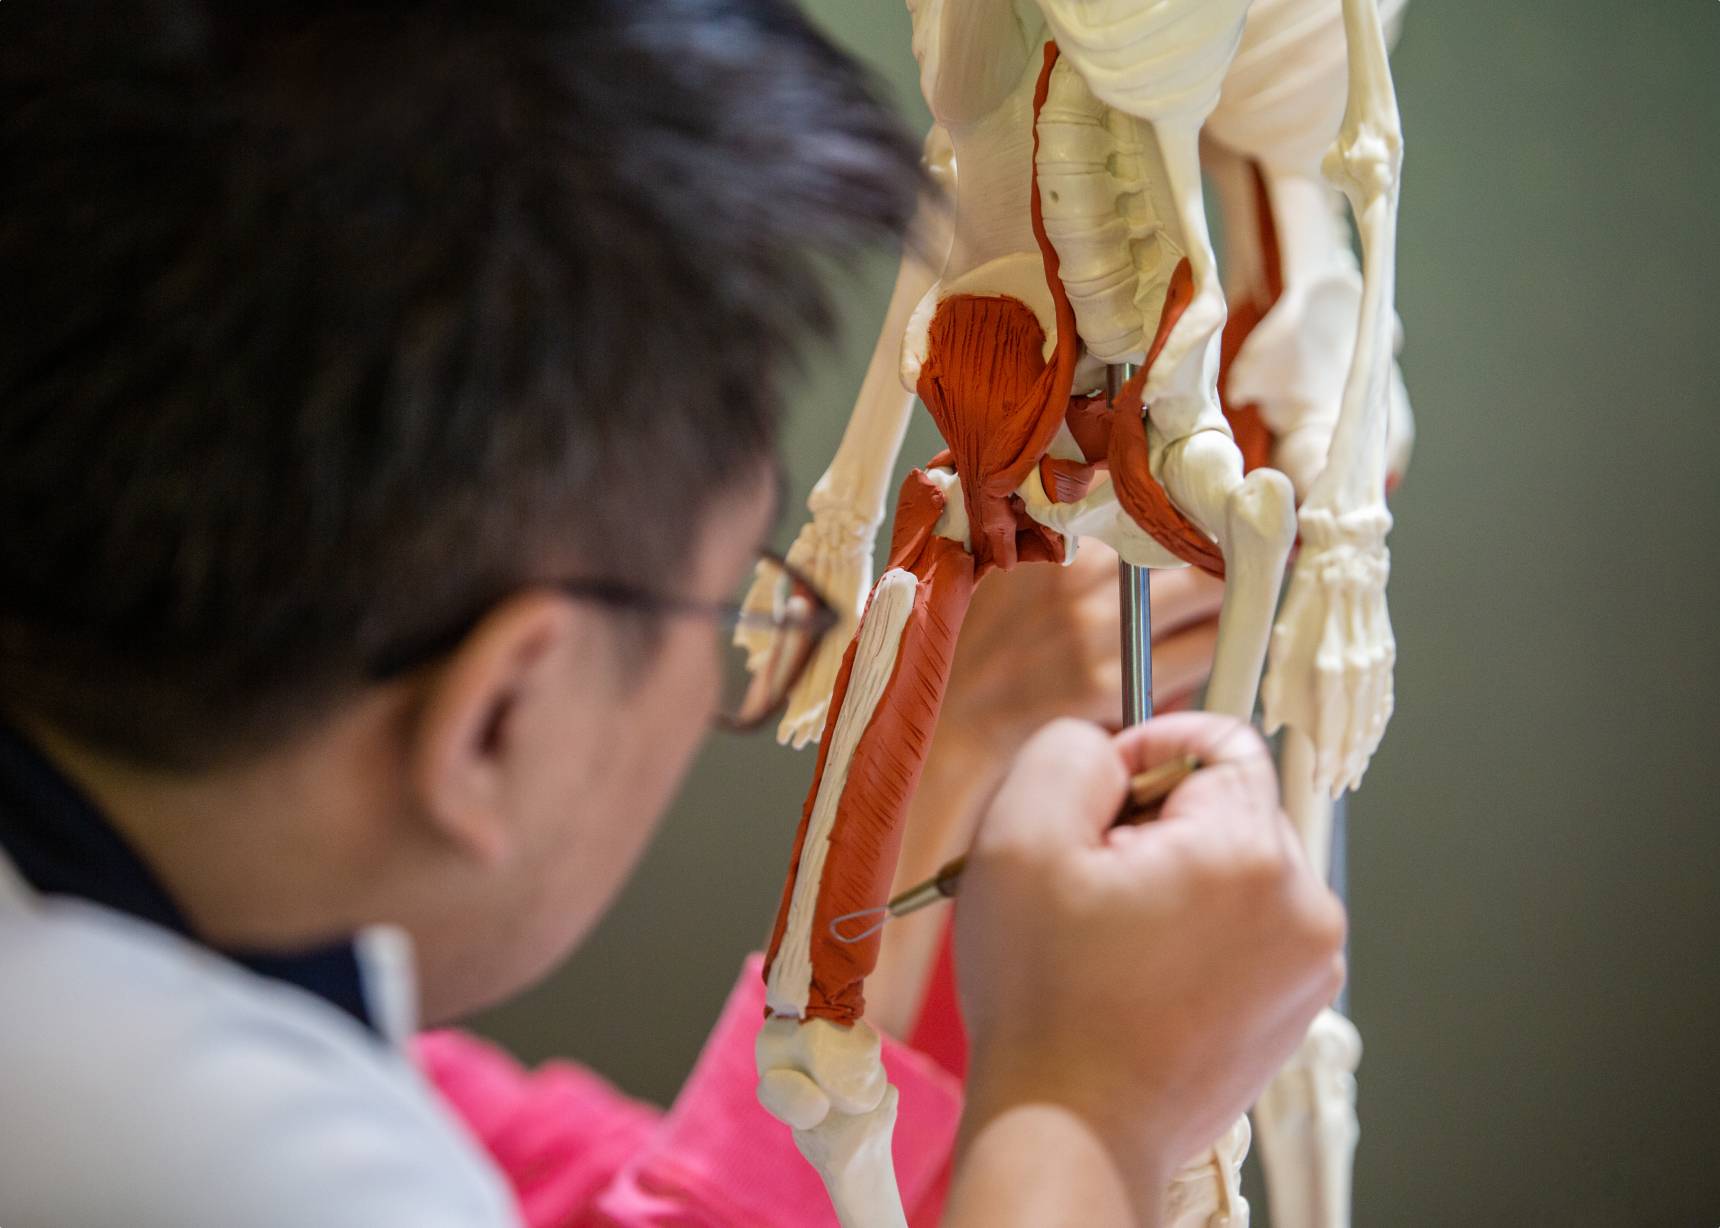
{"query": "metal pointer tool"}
pixel 1146 791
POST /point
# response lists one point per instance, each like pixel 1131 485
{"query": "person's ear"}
pixel 467 750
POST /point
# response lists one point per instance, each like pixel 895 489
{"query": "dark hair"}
pixel 329 324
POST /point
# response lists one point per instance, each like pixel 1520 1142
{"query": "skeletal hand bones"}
pixel 1334 627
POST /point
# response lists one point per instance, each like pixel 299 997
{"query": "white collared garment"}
pixel 148 1082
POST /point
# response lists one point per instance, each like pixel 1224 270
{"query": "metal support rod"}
pixel 1338 874
pixel 1134 590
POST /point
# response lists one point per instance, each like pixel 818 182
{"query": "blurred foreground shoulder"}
pixel 150 1083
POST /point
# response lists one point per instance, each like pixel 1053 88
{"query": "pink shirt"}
pixel 579 1154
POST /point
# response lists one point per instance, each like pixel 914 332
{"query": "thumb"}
pixel 1064 788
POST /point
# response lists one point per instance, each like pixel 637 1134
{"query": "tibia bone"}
pixel 852 1154
pixel 1306 1123
pixel 827 1081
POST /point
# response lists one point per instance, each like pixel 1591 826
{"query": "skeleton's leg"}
pixel 1332 650
pixel 1306 1118
pixel 1253 518
pixel 818 1061
pixel 1306 1123
pixel 1308 805
pixel 834 548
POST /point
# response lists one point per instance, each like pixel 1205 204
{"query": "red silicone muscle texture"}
pixel 986 386
pixel 1131 473
pixel 998 404
pixel 1066 481
pixel 866 836
pixel 1253 438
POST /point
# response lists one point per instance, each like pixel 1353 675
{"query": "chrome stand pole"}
pixel 1338 875
pixel 1134 588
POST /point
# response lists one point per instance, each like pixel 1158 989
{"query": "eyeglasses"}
pixel 769 635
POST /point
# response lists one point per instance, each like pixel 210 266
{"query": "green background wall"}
pixel 1535 858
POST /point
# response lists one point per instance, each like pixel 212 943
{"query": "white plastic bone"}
pixel 1306 1123
pixel 874 660
pixel 952 522
pixel 1096 191
pixel 827 1082
pixel 852 1154
pixel 1156 59
pixel 1333 651
pixel 1293 363
pixel 843 1063
pixel 1207 1191
pixel 1306 1118
pixel 1284 94
pixel 1097 515
pixel 1160 201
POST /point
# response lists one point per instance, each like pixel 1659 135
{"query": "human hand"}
pixel 1145 980
pixel 1039 642
pixel 1042 642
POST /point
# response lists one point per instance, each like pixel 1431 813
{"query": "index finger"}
pixel 1225 746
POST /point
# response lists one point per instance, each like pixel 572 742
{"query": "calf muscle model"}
pixel 1073 134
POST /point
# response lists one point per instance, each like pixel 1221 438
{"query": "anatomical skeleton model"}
pixel 1072 133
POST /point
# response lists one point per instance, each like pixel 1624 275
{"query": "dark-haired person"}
pixel 387 416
